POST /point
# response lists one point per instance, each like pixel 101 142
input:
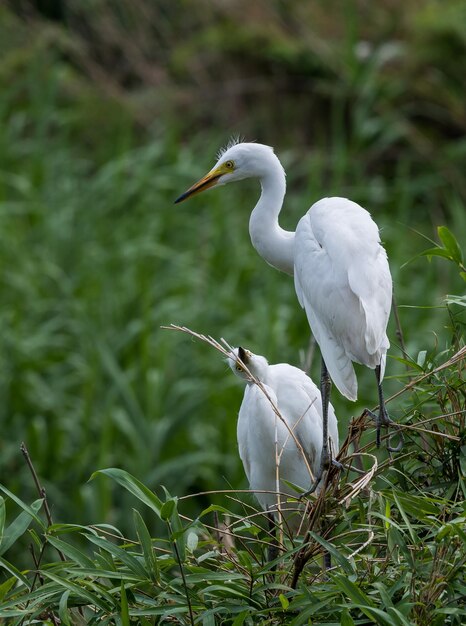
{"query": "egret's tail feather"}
pixel 343 376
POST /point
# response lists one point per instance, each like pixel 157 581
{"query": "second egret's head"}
pixel 235 162
pixel 255 363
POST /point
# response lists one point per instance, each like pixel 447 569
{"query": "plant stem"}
pixel 40 490
pixel 191 615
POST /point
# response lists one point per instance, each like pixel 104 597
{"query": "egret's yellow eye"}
pixel 239 368
pixel 229 165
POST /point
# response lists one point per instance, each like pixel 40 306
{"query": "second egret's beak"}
pixel 208 181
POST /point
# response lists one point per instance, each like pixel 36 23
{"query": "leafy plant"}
pixel 398 543
pixel 449 250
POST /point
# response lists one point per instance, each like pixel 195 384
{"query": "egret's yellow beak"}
pixel 208 181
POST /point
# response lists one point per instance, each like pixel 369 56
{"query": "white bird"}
pixel 273 451
pixel 340 270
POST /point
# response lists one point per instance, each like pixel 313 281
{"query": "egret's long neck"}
pixel 272 242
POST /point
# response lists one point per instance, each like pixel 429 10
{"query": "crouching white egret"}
pixel 273 451
pixel 340 270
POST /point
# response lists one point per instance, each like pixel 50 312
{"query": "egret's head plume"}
pixel 255 363
pixel 235 162
pixel 233 141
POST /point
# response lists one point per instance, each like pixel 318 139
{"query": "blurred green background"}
pixel 108 111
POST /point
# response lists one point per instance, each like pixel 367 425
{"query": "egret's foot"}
pixel 324 466
pixel 313 487
pixel 382 419
pixel 350 468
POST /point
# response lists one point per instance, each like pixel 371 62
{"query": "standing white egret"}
pixel 274 453
pixel 340 270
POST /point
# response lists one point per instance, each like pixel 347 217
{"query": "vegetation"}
pixel 108 110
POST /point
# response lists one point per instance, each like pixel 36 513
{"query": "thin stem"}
pixel 399 330
pixel 191 615
pixel 40 490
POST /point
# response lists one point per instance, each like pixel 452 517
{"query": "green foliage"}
pixel 450 249
pixel 399 554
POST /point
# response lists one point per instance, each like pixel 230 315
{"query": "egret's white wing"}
pixel 343 282
pixel 370 279
pixel 300 402
pixel 256 430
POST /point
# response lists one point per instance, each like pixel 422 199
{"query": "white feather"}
pixel 299 403
pixel 343 282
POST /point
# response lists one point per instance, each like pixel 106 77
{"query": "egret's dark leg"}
pixel 325 387
pixel 382 419
pixel 272 551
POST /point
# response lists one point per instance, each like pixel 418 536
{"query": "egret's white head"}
pixel 235 162
pixel 256 364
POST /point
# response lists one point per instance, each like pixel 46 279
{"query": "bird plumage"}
pixel 340 269
pixel 343 282
pixel 263 439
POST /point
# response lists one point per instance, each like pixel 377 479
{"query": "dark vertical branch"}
pixel 40 490
pixel 185 585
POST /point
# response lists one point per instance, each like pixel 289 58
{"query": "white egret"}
pixel 340 270
pixel 274 453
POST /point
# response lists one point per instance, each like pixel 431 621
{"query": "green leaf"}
pixel 70 552
pixel 6 586
pixel 408 362
pixel 284 601
pixel 113 574
pixel 2 517
pixel 167 509
pixel 384 594
pixel 124 556
pixel 208 620
pixel 421 358
pixel 63 612
pixel 430 252
pixel 340 558
pixel 124 607
pixel 381 617
pixel 19 526
pixel 353 592
pixel 397 544
pixel 362 601
pixel 178 532
pixel 387 514
pixel 450 243
pixel 134 486
pixel 102 599
pixel 240 618
pixel 15 572
pixel 214 508
pixel 150 556
pixel 207 575
pixel 191 541
pixel 245 559
pixel 346 619
pixel 419 507
pixel 32 512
